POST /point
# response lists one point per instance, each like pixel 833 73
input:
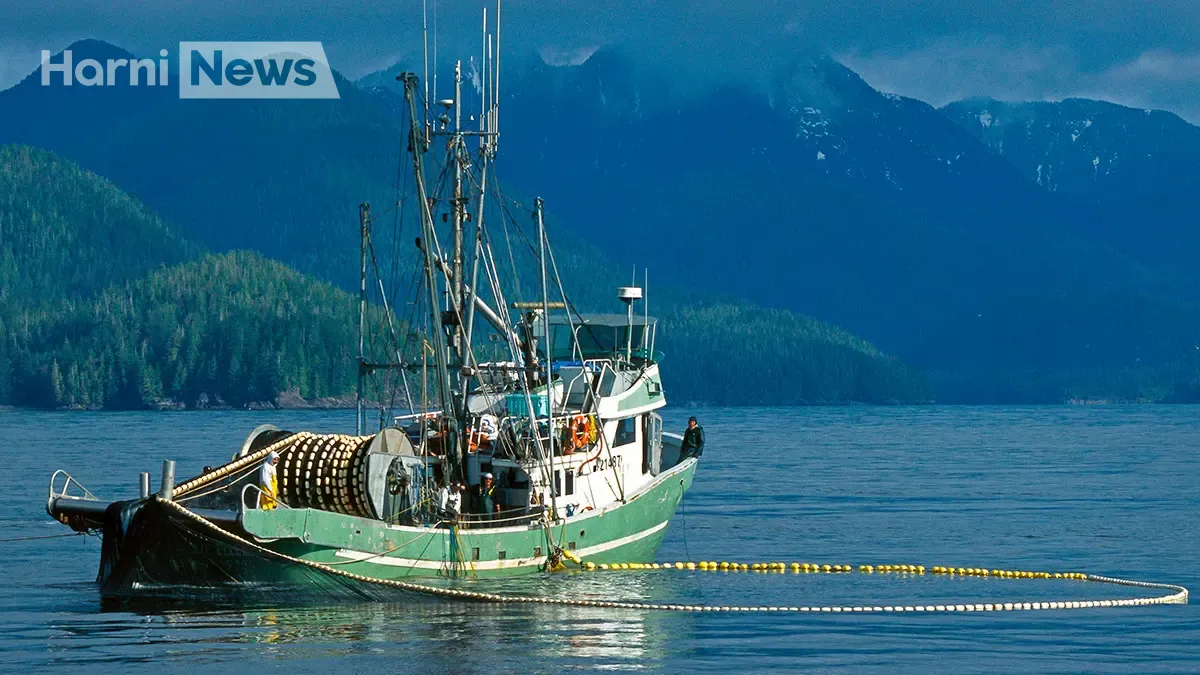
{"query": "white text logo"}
pixel 110 72
pixel 254 70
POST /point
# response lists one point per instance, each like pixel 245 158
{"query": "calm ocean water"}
pixel 1110 490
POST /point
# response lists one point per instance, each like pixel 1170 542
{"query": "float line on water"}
pixel 1177 595
pixel 796 567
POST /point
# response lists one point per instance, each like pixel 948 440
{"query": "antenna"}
pixel 435 57
pixel 496 85
pixel 425 34
pixel 490 91
pixel 457 96
pixel 483 84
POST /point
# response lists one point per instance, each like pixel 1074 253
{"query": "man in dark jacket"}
pixel 485 499
pixel 693 440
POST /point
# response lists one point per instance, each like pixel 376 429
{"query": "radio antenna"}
pixel 435 56
pixel 425 36
pixel 496 84
pixel 483 84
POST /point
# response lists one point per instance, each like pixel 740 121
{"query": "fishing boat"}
pixel 533 441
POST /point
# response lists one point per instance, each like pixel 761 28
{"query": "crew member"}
pixel 485 501
pixel 693 440
pixel 450 498
pixel 268 482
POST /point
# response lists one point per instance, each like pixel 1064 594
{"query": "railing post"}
pixel 144 484
pixel 168 479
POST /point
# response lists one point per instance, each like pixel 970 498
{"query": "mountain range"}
pixel 931 233
pixel 1126 177
pixel 877 212
pixel 106 305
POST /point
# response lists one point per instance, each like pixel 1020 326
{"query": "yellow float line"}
pixel 807 568
pixel 1175 595
pixel 708 566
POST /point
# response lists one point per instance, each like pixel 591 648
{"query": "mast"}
pixel 418 144
pixel 364 218
pixel 541 225
pixel 456 262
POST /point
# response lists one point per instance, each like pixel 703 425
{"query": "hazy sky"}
pixel 1140 53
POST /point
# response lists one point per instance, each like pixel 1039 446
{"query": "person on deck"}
pixel 268 482
pixel 693 440
pixel 485 500
pixel 451 501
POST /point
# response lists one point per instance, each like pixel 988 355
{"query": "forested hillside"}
pixel 226 329
pixel 738 353
pixel 66 233
pixel 99 309
pixel 101 313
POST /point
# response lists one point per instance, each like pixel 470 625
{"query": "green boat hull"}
pixel 161 553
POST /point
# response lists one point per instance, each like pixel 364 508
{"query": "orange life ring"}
pixel 579 431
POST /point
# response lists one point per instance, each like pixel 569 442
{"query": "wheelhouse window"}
pixel 599 336
pixel 626 432
pixel 561 478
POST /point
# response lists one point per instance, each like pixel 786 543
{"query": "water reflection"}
pixel 447 633
pixel 462 633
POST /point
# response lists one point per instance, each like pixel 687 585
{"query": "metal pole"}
pixel 427 232
pixel 144 484
pixel 425 35
pixel 483 86
pixel 364 217
pixel 629 335
pixel 456 262
pixel 546 342
pixel 457 282
pixel 168 479
pixel 496 86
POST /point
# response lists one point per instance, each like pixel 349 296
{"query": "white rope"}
pixel 1178 594
pixel 237 464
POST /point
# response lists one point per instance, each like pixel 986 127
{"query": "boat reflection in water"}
pixel 495 636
